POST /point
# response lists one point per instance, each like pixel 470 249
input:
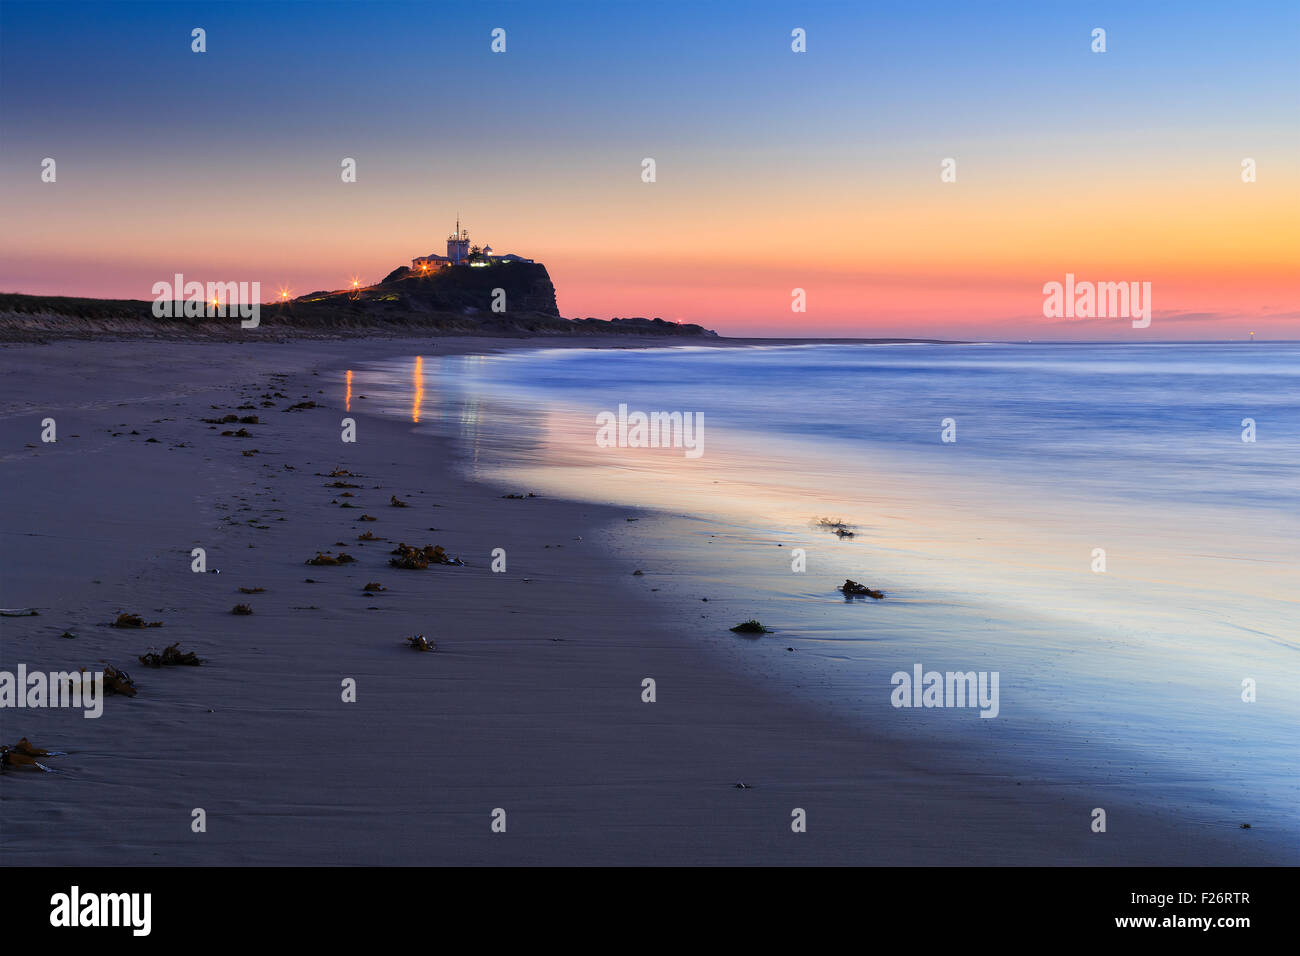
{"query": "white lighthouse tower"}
pixel 458 245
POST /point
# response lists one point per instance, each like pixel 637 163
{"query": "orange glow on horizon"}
pixel 966 260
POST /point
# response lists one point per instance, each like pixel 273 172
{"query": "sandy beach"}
pixel 532 702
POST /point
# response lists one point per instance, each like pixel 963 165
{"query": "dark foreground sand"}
pixel 532 702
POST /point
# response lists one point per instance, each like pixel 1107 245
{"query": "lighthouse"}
pixel 458 254
pixel 458 245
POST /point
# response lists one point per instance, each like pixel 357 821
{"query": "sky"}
pixel 774 170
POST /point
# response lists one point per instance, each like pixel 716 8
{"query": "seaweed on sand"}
pixel 134 620
pixel 420 643
pixel 836 527
pixel 24 754
pixel 852 589
pixel 170 656
pixel 116 681
pixel 322 558
pixel 751 627
pixel 417 559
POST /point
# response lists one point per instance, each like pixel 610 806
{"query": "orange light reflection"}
pixel 419 388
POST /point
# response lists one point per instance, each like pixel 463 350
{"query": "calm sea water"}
pixel 989 547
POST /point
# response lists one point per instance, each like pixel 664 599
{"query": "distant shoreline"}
pixel 37 319
pixel 44 318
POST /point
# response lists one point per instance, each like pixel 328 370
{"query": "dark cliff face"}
pixel 460 300
pixel 526 286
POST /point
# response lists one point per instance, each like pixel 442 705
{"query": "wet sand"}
pixel 532 702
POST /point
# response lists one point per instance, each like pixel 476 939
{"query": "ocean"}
pixel 1112 530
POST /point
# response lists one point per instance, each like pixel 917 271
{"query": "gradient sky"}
pixel 776 170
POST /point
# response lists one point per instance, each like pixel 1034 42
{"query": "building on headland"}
pixel 461 253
